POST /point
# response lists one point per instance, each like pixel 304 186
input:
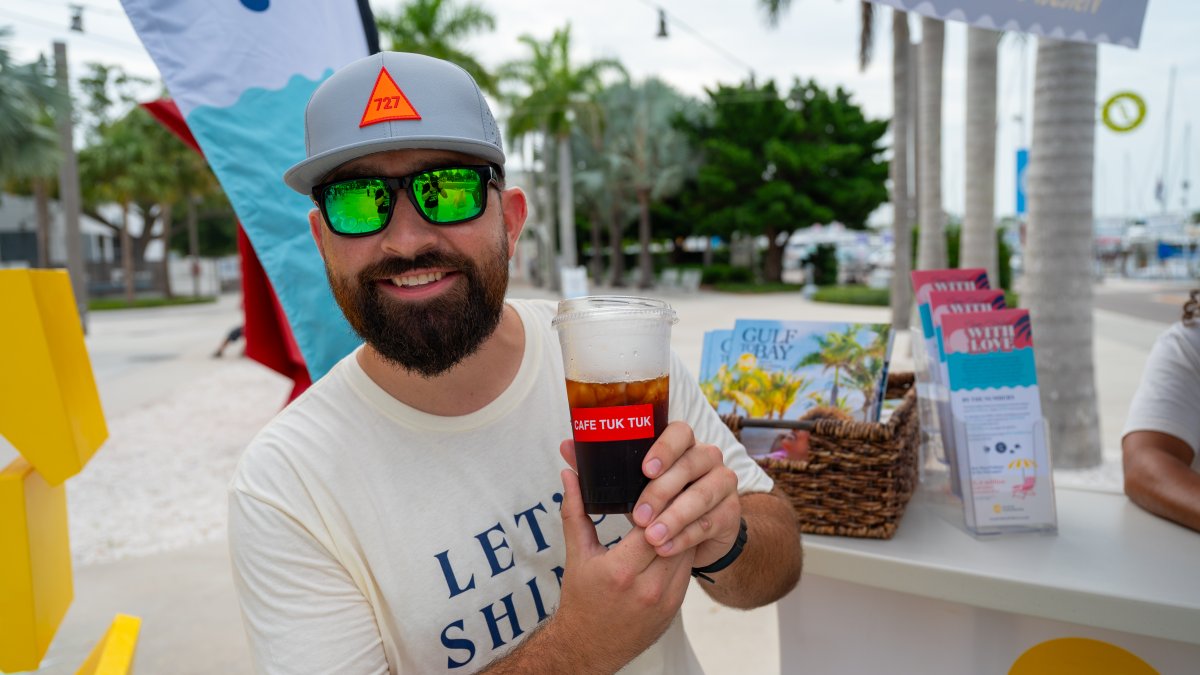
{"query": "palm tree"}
pixel 601 185
pixel 1058 277
pixel 654 156
pixel 837 352
pixel 556 95
pixel 866 370
pixel 931 250
pixel 901 297
pixel 28 142
pixel 436 28
pixel 978 230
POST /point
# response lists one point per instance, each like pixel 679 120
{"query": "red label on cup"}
pixel 614 423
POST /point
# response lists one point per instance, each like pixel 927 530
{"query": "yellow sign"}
pixel 35 565
pixel 1123 111
pixel 49 407
pixel 113 655
pixel 1079 656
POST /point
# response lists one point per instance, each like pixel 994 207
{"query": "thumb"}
pixel 579 532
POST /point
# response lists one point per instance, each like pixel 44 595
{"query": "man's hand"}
pixel 691 501
pixel 615 603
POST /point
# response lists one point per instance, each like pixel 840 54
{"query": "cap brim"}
pixel 304 176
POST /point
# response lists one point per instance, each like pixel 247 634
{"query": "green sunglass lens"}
pixel 358 206
pixel 449 195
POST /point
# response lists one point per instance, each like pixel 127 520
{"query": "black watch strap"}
pixel 726 560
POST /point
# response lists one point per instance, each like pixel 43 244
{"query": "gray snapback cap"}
pixel 393 101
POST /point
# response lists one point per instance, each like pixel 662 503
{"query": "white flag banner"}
pixel 1117 22
pixel 241 72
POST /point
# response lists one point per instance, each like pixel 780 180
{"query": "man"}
pixel 400 515
pixel 1161 446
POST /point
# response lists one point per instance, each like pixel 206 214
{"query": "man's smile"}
pixel 417 279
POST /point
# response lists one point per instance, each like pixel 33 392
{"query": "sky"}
pixel 722 41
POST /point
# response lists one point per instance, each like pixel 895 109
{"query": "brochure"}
pixel 1006 478
pixel 935 461
pixel 942 303
pixel 785 369
pixel 714 368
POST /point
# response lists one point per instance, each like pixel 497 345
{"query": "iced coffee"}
pixel 616 357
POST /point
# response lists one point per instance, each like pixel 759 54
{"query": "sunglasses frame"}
pixel 404 183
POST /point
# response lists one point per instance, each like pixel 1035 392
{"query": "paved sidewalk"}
pixel 148 514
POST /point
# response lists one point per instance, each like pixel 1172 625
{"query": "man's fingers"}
pixel 718 525
pixel 579 533
pixel 567 450
pixel 671 444
pixel 670 484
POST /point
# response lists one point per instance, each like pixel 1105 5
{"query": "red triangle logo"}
pixel 387 102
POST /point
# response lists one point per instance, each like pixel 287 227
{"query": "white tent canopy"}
pixel 1117 22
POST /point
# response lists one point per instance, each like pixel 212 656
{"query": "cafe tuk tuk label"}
pixel 613 423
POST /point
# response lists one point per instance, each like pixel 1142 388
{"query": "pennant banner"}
pixel 241 74
pixel 1118 22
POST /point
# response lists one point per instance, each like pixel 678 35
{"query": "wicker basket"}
pixel 859 476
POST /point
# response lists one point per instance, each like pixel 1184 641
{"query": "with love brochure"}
pixel 942 303
pixel 997 418
pixel 935 461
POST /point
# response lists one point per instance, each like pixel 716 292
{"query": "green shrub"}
pixel 825 264
pixel 853 295
pixel 101 304
pixel 757 287
pixel 721 273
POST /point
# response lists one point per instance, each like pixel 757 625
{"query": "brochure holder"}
pixel 934 467
pixel 1007 480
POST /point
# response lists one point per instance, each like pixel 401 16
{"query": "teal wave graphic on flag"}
pixel 262 134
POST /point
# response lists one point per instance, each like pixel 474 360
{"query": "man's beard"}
pixel 432 336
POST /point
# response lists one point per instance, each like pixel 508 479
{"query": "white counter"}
pixel 935 599
pixel 1111 565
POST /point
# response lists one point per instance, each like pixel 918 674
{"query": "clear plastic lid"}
pixel 605 307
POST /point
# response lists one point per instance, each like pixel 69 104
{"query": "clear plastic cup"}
pixel 617 357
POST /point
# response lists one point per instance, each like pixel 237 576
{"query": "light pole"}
pixel 68 185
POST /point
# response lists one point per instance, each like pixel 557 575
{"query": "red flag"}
pixel 268 336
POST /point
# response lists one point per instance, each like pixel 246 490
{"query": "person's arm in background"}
pixel 1159 477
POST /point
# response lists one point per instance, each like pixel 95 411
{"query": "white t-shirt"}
pixel 370 537
pixel 1168 398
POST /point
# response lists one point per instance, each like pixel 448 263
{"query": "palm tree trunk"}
pixel 1058 282
pixel 914 128
pixel 645 263
pixel 931 251
pixel 979 224
pixel 547 250
pixel 773 265
pixel 193 246
pixel 901 297
pixel 566 203
pixel 615 231
pixel 165 210
pixel 41 206
pixel 127 254
pixel 597 247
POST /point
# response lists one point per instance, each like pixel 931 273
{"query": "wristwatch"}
pixel 726 560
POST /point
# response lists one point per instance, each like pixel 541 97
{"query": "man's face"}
pixel 424 296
